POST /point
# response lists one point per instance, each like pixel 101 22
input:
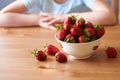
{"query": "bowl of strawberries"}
pixel 79 38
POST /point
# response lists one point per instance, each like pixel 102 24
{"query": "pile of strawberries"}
pixel 78 30
pixel 41 55
pixel 74 31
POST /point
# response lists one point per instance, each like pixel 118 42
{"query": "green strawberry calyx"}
pixel 73 18
pixel 87 33
pixel 85 38
pixel 35 52
pixel 99 26
pixel 59 27
pixel 82 21
pixel 69 40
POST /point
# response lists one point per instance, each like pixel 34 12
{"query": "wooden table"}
pixel 18 63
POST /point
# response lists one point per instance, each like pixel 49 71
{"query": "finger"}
pixel 52 27
pixel 45 25
pixel 53 23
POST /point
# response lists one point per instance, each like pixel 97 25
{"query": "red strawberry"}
pixel 89 25
pixel 76 31
pixel 67 27
pixel 80 23
pixel 83 38
pixel 70 38
pixel 40 55
pixel 70 20
pixel 111 52
pixel 100 31
pixel 89 32
pixel 60 57
pixel 61 34
pixel 51 49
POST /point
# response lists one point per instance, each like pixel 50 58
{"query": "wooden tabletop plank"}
pixel 18 63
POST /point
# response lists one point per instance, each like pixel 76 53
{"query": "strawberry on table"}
pixel 111 52
pixel 40 55
pixel 51 49
pixel 61 57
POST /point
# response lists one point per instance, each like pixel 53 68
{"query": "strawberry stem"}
pixel 82 21
pixel 35 52
pixel 99 26
pixel 59 27
pixel 73 18
pixel 69 40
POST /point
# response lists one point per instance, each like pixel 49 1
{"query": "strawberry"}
pixel 111 52
pixel 61 34
pixel 80 23
pixel 60 57
pixel 70 20
pixel 83 38
pixel 89 32
pixel 75 31
pixel 51 49
pixel 70 38
pixel 67 27
pixel 88 24
pixel 100 31
pixel 40 55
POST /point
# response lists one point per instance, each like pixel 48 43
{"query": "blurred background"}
pixel 4 3
pixel 115 5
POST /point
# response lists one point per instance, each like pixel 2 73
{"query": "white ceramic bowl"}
pixel 79 50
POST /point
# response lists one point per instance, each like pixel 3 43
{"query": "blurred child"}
pixel 48 13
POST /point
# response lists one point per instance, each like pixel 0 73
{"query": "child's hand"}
pixel 50 20
pixel 45 25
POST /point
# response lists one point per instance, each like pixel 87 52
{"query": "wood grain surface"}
pixel 18 63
